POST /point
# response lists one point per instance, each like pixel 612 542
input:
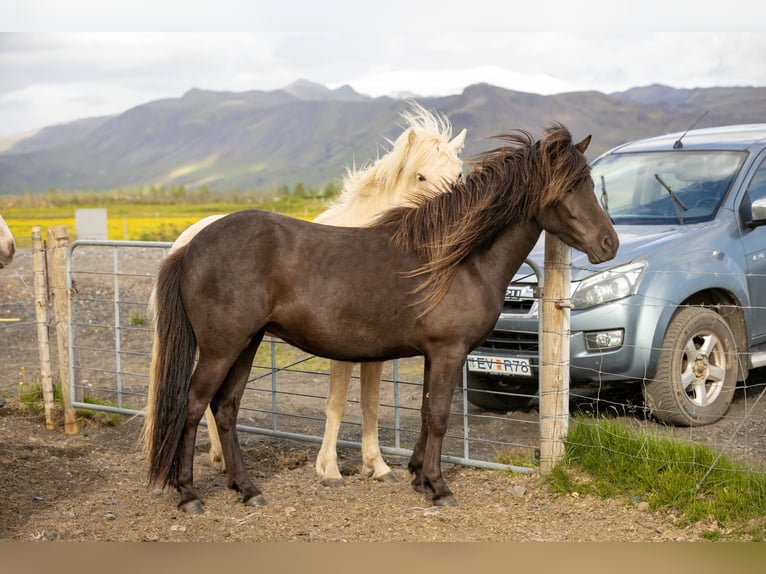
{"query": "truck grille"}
pixel 518 306
pixel 513 341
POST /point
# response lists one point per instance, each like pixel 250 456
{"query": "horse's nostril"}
pixel 611 243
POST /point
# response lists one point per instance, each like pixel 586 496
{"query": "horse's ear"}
pixel 411 135
pixel 583 145
pixel 457 142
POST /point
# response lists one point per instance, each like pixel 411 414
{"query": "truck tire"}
pixel 697 371
pixel 491 393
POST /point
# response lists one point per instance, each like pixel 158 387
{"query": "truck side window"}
pixel 757 187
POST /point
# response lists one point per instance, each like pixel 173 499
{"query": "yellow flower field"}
pixel 118 228
pixel 141 222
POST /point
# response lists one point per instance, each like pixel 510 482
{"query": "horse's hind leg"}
pixel 372 460
pixel 205 379
pixel 327 458
pixel 225 406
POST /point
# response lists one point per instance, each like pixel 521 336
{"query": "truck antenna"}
pixel 677 144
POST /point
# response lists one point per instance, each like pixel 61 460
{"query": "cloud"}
pixel 427 48
pixel 393 16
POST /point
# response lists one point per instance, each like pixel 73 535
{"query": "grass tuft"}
pixel 31 399
pixel 684 477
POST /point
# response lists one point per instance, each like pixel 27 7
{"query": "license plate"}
pixel 499 365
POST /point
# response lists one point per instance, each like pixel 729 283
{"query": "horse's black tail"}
pixel 173 355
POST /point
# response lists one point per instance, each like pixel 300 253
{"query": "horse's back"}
pixel 254 247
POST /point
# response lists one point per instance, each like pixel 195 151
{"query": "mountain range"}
pixel 310 134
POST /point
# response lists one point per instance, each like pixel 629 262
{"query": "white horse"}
pixel 423 157
pixel 7 244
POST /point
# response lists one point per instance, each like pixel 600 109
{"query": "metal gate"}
pixel 110 342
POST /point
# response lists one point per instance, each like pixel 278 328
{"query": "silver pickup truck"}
pixel 681 309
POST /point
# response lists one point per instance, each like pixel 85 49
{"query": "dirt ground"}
pixel 91 487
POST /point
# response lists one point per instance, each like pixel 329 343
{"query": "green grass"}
pixel 137 319
pixel 518 456
pixel 103 418
pixel 683 477
pixel 31 398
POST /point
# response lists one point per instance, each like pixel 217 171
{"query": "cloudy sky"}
pixel 61 61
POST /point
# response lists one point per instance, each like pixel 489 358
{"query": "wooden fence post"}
pixel 58 242
pixel 554 366
pixel 41 313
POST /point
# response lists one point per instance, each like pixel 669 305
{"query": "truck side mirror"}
pixel 757 213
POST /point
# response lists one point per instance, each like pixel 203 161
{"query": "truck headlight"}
pixel 608 285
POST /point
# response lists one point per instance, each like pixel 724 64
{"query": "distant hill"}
pixel 57 135
pixel 310 134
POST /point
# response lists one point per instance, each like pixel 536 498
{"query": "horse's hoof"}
pixel 418 486
pixel 193 506
pixel 389 478
pixel 446 501
pixel 333 483
pixel 218 464
pixel 258 500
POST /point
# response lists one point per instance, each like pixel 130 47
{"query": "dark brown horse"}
pixel 426 280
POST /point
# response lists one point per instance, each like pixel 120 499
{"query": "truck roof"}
pixel 735 137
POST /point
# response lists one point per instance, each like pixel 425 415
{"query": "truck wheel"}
pixel 491 393
pixel 697 371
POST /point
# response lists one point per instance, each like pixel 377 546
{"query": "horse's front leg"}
pixel 415 465
pixel 442 378
pixel 327 458
pixel 372 459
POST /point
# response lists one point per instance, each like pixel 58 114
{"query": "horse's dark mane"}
pixel 513 183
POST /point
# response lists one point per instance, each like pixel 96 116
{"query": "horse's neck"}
pixel 503 259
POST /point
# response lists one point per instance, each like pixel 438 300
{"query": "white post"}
pixel 41 313
pixel 554 365
pixel 58 244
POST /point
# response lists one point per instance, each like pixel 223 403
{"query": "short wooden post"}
pixel 41 313
pixel 58 242
pixel 554 366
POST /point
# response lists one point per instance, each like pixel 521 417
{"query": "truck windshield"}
pixel 678 186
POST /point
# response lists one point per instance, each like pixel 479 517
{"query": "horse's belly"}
pixel 345 340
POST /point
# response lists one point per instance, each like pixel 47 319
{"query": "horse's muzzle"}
pixel 606 249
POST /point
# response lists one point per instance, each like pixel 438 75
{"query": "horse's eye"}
pixel 421 177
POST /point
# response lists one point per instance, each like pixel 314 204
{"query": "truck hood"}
pixel 636 242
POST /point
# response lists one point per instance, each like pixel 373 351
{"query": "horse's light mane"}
pixel 513 183
pixel 382 176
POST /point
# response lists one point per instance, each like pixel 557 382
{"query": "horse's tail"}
pixel 173 354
